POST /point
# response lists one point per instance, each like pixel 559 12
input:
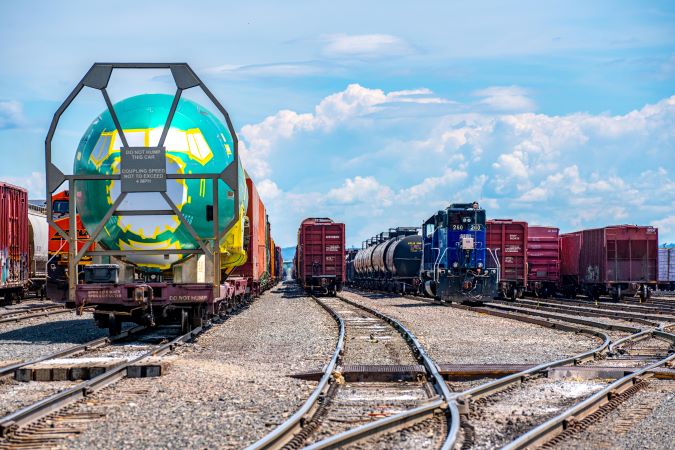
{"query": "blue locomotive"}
pixel 456 263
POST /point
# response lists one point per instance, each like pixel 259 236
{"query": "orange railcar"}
pixel 256 230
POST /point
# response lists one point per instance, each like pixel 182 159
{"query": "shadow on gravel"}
pixel 291 290
pixel 61 331
pixel 416 305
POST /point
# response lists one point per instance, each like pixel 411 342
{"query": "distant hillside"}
pixel 288 253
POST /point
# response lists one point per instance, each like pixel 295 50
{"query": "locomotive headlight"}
pixel 480 265
pixel 455 264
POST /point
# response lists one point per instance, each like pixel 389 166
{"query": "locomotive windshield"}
pixel 469 220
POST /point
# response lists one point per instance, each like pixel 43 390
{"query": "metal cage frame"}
pixel 98 78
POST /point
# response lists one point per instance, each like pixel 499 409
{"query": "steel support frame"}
pixel 97 78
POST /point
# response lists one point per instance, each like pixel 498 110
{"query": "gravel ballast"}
pixel 455 336
pixel 228 389
pixel 39 336
pixel 644 421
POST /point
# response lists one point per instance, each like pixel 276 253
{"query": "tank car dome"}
pixel 197 142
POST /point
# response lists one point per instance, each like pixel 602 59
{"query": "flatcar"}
pixel 456 262
pixel 320 256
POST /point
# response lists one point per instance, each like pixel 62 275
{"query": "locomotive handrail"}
pixel 437 263
pixel 496 259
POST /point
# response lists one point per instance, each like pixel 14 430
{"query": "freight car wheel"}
pixel 197 316
pixel 114 325
pixel 184 321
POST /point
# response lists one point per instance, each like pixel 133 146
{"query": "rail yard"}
pixel 147 304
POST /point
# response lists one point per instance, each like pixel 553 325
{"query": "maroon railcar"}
pixel 617 260
pixel 14 241
pixel 321 255
pixel 507 239
pixel 543 260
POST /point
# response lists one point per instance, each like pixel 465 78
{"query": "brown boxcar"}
pixel 616 260
pixel 14 241
pixel 256 268
pixel 543 260
pixel 508 239
pixel 321 255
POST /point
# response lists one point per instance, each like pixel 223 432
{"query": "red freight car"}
pixel 508 239
pixel 543 260
pixel 14 241
pixel 616 260
pixel 321 255
pixel 256 267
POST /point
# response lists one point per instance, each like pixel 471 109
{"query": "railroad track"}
pixel 341 412
pixel 74 351
pixel 51 419
pixel 632 359
pixel 21 314
pixel 646 317
pixel 651 306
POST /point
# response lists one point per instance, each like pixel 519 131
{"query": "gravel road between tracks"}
pixel 456 336
pixel 39 336
pixel 228 389
pixel 644 421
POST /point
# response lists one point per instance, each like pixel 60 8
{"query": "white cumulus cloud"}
pixel 573 171
pixel 11 114
pixel 365 45
pixel 335 109
pixel 506 98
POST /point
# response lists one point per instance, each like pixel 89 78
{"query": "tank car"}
pixel 157 197
pixel 456 263
pixel 390 261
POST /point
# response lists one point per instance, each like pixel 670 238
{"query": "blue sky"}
pixel 378 114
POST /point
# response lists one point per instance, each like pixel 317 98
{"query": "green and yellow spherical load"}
pixel 197 142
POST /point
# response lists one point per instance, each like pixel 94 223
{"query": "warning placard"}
pixel 143 169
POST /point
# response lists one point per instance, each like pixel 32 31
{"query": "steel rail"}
pixel 591 323
pixel 390 423
pixel 20 316
pixel 547 429
pixel 11 312
pixel 451 410
pixel 645 319
pixel 552 427
pixel 645 313
pixel 464 398
pixel 96 343
pixel 284 432
pixel 44 407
